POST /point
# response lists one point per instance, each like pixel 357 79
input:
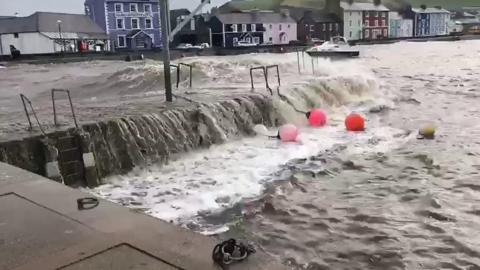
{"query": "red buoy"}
pixel 317 118
pixel 355 122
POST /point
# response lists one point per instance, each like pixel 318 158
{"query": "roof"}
pixel 48 22
pixel 430 10
pixel 255 17
pixel 319 17
pixel 174 13
pixel 363 7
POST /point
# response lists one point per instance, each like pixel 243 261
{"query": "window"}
pixel 376 22
pixel 234 28
pixel 148 23
pixel 254 28
pixel 350 22
pixel 385 32
pixel 248 40
pixel 350 33
pixel 244 28
pixel 330 26
pixel 235 41
pixel 350 13
pixel 120 24
pixel 133 7
pixel 311 28
pixel 270 39
pixel 384 23
pixel 367 33
pixel 147 8
pixel 118 7
pixel 336 27
pixel 359 23
pixel 324 27
pixel 15 35
pixel 288 25
pixel 121 42
pixel 270 26
pixel 135 23
pixel 376 14
pixel 367 23
pixel 192 24
pixel 384 14
pixel 280 27
pixel 256 40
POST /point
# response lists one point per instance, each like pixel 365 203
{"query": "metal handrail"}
pixel 278 78
pixel 191 72
pixel 55 109
pixel 178 72
pixel 264 75
pixel 25 99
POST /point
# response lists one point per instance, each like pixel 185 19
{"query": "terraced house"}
pixel 365 21
pixel 130 24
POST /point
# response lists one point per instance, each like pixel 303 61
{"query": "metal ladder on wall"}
pixel 70 159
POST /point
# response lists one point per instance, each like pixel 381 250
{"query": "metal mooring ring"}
pixel 87 203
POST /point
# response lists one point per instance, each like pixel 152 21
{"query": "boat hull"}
pixel 334 54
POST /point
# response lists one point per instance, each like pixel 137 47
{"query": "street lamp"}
pixel 59 23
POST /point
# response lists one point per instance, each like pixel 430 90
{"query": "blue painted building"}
pixel 430 22
pixel 130 24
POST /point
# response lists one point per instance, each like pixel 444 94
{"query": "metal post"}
pixel 298 62
pixel 191 73
pixel 54 108
pixel 166 51
pixel 313 67
pixel 59 23
pixel 303 58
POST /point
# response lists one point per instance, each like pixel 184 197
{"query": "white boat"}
pixel 336 47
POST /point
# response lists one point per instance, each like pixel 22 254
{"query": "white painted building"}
pixel 44 33
pixel 352 22
pixel 280 29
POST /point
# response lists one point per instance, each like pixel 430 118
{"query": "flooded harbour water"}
pixel 381 199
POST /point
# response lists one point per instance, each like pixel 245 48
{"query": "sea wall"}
pixel 115 146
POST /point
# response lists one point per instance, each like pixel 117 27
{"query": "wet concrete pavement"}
pixel 42 228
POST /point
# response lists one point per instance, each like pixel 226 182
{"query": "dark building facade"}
pixel 318 25
pixel 229 29
pixel 195 32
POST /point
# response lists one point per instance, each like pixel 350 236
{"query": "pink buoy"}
pixel 288 133
pixel 317 118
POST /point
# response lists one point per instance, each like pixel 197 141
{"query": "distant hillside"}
pixel 319 4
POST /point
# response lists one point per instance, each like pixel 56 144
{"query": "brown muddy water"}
pixel 375 200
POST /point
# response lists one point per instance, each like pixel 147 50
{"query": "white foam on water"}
pixel 216 179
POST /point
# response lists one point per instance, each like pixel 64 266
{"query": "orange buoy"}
pixel 355 122
pixel 317 118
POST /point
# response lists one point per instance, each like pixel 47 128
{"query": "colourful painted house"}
pixel 430 21
pixel 130 24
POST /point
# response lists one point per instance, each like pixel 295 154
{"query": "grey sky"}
pixel 27 7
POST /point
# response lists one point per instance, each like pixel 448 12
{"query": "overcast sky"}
pixel 27 7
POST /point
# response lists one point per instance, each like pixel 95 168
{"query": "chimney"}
pixel 377 2
pixel 332 6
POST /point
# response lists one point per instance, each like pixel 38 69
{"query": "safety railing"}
pixel 25 100
pixel 190 67
pixel 264 71
pixel 179 69
pixel 55 108
pixel 267 68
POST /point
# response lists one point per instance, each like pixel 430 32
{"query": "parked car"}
pixel 201 46
pixel 246 44
pixel 184 46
